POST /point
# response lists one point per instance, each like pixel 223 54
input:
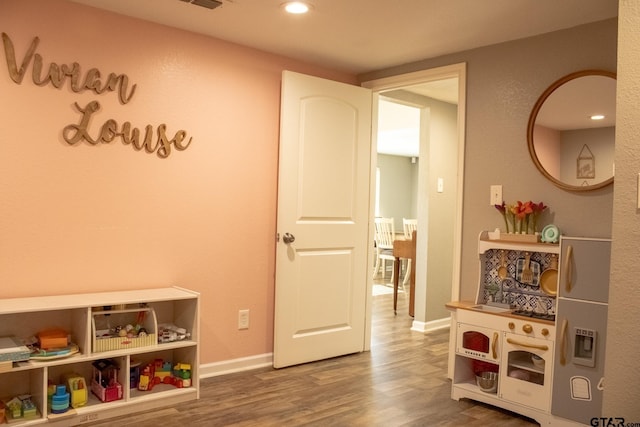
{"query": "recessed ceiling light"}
pixel 296 7
pixel 597 117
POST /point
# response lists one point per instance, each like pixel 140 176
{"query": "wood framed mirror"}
pixel 568 143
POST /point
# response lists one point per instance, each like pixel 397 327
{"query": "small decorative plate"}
pixel 550 234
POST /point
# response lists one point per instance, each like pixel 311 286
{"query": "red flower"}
pixel 524 209
pixel 539 207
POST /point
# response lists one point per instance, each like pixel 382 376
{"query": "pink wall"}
pixel 107 217
pixel 548 149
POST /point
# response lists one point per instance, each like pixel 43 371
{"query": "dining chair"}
pixel 384 235
pixel 409 225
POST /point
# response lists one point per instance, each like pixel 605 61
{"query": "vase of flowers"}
pixel 521 218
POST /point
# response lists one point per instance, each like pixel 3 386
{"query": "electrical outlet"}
pixel 496 195
pixel 243 319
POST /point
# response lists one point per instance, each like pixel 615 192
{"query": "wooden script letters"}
pixel 57 75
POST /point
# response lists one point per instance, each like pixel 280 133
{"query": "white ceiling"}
pixel 398 129
pixel 359 36
pixel 571 105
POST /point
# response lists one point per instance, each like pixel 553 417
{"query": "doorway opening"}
pixel 396 193
pixel 438 95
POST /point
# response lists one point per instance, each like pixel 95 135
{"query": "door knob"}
pixel 288 238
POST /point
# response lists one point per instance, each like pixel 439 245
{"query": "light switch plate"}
pixel 496 195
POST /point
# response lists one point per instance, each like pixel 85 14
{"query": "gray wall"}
pixel 398 188
pixel 503 83
pixel 442 160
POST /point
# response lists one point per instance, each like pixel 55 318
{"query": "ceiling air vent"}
pixel 209 4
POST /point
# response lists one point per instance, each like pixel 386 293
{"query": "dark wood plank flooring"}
pixel 400 382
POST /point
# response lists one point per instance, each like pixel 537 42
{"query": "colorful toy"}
pixel 51 390
pixel 53 338
pixel 77 389
pixel 19 407
pixel 162 369
pixel 14 408
pixel 168 332
pixel 60 400
pixel 160 372
pixel 146 377
pixel 134 374
pixel 182 374
pixel 28 407
pixel 104 383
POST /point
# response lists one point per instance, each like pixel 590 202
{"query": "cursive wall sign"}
pixel 57 75
pixel 109 131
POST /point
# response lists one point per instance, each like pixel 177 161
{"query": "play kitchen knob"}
pixel 544 332
pixel 511 325
pixel 288 238
pixel 527 328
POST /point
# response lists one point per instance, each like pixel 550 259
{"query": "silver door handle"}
pixel 288 238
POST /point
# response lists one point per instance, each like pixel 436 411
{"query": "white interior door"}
pixel 323 203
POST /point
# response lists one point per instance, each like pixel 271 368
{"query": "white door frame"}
pixel 396 82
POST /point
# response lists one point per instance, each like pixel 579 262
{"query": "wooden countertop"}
pixel 469 305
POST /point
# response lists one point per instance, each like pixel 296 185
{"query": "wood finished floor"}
pixel 400 382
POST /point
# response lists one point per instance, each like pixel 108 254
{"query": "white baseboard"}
pixel 432 325
pixel 263 360
pixel 236 365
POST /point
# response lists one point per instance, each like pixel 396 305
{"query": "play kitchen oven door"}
pixel 525 376
pixel 478 342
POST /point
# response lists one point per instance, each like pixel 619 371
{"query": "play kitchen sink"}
pixel 490 308
pixel 517 277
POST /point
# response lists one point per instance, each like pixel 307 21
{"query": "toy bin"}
pixel 123 329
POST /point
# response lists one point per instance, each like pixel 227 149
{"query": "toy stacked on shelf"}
pixel 77 387
pixel 11 350
pixel 104 383
pixel 51 344
pixel 168 332
pixel 160 372
pixel 60 400
pixel 20 408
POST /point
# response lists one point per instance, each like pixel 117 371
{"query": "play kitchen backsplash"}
pixel 524 280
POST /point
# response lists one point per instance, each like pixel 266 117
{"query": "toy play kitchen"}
pixel 533 341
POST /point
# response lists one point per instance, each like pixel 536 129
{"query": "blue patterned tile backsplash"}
pixel 520 294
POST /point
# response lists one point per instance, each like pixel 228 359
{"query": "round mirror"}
pixel 571 130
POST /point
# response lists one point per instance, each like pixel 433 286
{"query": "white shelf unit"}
pixel 25 317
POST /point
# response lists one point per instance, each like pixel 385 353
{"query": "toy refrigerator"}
pixel 581 319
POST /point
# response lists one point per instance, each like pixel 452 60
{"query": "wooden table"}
pixel 404 249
